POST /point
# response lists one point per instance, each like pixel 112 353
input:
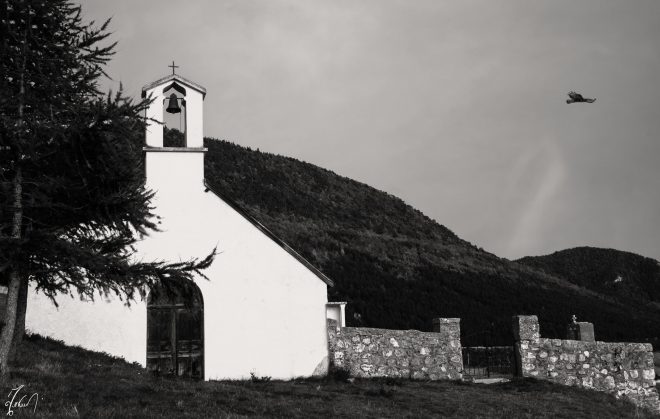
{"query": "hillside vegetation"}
pixel 71 382
pixel 608 271
pixel 396 267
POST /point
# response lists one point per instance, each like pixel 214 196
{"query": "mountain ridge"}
pixel 605 270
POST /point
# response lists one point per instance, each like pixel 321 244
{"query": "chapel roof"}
pixel 174 77
pixel 242 211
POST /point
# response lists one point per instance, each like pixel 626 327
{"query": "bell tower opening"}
pixel 175 116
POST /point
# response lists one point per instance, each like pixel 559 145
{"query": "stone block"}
pixel 417 375
pixel 609 382
pixel 332 325
pixel 648 374
pixel 583 331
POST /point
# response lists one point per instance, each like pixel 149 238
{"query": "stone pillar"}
pixel 450 335
pixel 450 327
pixel 526 334
pixel 526 328
pixel 332 329
pixel 583 331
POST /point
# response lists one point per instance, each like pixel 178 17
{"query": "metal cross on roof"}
pixel 173 67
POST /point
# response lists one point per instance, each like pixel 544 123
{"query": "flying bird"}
pixel 576 97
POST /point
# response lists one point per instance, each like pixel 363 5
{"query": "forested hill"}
pixel 398 268
pixel 608 271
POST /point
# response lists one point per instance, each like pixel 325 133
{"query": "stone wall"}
pixel 624 369
pixel 367 352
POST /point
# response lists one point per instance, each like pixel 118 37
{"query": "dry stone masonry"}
pixel 623 369
pixel 367 352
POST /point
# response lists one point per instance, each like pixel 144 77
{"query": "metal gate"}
pixel 488 361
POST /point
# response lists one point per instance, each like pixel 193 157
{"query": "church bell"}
pixel 173 104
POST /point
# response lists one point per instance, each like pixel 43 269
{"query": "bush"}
pixel 255 379
pixel 339 374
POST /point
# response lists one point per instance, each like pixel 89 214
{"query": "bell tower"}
pixel 174 169
pixel 174 94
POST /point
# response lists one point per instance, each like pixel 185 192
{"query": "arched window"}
pixel 175 334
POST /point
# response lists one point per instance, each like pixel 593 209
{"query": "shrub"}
pixel 256 379
pixel 339 374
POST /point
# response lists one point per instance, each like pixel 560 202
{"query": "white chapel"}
pixel 263 309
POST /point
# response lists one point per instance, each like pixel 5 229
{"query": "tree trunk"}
pixel 7 334
pixel 19 329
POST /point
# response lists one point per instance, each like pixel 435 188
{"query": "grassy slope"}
pixel 77 383
pixel 397 267
pixel 607 271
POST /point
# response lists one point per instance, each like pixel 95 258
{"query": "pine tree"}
pixel 72 195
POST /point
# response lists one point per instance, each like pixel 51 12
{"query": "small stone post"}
pixel 526 334
pixel 583 331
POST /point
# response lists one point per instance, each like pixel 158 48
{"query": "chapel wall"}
pixel 103 324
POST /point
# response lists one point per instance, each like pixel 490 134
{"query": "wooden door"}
pixel 175 336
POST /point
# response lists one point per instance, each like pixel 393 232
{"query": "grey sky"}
pixel 457 107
